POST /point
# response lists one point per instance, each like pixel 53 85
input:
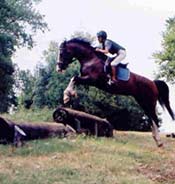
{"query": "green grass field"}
pixel 128 158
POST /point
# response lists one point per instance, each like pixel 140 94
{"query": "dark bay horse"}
pixel 145 91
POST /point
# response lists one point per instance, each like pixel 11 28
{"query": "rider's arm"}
pixel 107 47
pixel 104 51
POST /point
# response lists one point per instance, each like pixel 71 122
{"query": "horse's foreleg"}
pixel 155 134
pixel 69 91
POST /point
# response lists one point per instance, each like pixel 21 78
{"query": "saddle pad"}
pixel 123 73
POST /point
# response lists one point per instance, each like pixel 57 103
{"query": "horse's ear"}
pixel 64 42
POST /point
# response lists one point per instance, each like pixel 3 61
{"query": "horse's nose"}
pixel 59 70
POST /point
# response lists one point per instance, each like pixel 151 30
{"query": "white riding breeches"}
pixel 121 55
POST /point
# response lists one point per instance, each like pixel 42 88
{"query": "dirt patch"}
pixel 155 173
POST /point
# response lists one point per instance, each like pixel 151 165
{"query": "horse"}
pixel 145 91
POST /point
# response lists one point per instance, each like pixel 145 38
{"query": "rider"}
pixel 110 47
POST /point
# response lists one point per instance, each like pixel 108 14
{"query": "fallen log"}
pixel 83 122
pixel 13 132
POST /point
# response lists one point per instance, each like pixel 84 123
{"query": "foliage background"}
pixel 22 89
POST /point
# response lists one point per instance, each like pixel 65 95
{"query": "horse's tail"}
pixel 163 97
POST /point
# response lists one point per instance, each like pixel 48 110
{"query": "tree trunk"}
pixel 12 132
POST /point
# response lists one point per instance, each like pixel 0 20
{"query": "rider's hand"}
pixel 98 49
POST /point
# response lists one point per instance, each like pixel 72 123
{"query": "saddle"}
pixel 123 73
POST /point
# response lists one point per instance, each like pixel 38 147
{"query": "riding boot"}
pixel 114 74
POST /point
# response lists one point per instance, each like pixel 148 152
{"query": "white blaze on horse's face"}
pixel 58 68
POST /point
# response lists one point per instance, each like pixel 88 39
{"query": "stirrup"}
pixel 110 82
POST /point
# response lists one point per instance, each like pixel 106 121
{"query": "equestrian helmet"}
pixel 102 34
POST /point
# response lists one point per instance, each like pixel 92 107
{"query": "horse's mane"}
pixel 87 44
pixel 81 41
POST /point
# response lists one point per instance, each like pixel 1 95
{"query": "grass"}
pixel 31 115
pixel 128 158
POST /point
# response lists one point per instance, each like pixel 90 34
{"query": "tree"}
pixel 40 88
pixel 166 57
pixel 19 21
pixel 25 82
pixel 7 95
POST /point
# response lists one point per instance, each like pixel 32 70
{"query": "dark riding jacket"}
pixel 112 46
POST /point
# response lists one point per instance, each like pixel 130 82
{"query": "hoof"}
pixel 67 96
pixel 66 99
pixel 160 145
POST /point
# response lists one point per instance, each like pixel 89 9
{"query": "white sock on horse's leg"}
pixel 69 91
pixel 155 134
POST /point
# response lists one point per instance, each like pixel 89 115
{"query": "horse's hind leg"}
pixel 154 126
pixel 150 110
pixel 156 135
pixel 155 131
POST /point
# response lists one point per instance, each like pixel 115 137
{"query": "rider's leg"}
pixel 107 65
pixel 114 74
pixel 107 68
pixel 116 61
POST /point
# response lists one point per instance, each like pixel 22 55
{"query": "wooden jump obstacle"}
pixel 12 132
pixel 83 122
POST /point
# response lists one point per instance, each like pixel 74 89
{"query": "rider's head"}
pixel 101 35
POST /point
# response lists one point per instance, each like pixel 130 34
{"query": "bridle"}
pixel 64 57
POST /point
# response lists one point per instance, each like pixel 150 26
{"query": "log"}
pixel 14 132
pixel 82 121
